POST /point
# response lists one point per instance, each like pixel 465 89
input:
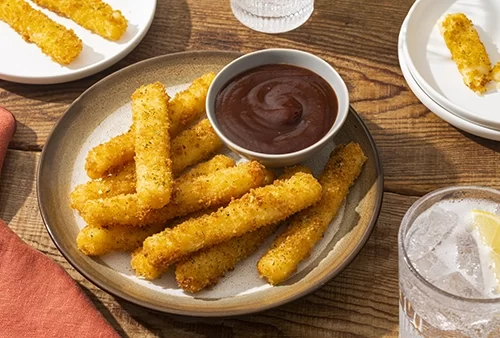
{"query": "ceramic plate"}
pixel 430 63
pixel 25 63
pixel 103 111
pixel 453 119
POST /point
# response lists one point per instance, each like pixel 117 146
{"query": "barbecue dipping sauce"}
pixel 276 109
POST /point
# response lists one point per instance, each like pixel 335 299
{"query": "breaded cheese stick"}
pixel 307 227
pixel 98 241
pixel 260 207
pixel 94 15
pixel 123 182
pixel 206 191
pixel 467 51
pixel 495 74
pixel 61 44
pixel 184 108
pixel 109 156
pixel 153 165
pixel 204 268
pixel 193 145
pixel 188 105
pixel 215 164
pixel 143 267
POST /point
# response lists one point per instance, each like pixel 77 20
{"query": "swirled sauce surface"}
pixel 276 109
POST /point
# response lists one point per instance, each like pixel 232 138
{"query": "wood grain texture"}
pixel 361 302
pixel 419 151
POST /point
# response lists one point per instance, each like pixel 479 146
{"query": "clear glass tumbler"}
pixel 447 280
pixel 272 16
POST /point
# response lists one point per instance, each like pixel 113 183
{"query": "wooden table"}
pixel 419 151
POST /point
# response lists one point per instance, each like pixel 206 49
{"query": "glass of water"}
pixel 448 268
pixel 272 16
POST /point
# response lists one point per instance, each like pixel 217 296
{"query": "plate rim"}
pixel 378 183
pixel 429 90
pixel 90 69
pixel 446 115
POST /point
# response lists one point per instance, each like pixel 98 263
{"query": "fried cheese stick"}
pixel 61 44
pixel 495 74
pixel 185 108
pixel 152 145
pixel 205 267
pixel 467 51
pixel 190 147
pixel 210 190
pixel 307 227
pixel 100 240
pixel 123 182
pixel 193 145
pixel 260 207
pixel 107 157
pixel 93 15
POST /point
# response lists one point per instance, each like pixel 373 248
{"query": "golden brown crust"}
pixel 307 227
pixel 94 15
pixel 153 163
pixel 184 108
pixel 55 40
pixel 260 207
pixel 467 51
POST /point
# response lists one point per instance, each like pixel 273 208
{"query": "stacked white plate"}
pixel 434 77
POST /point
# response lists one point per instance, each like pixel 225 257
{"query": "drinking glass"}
pixel 447 285
pixel 272 16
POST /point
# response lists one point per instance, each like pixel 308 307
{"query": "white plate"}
pixel 24 62
pixel 430 63
pixel 432 105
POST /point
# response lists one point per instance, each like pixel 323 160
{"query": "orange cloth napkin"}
pixel 37 297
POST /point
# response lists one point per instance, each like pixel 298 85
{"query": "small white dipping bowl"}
pixel 280 56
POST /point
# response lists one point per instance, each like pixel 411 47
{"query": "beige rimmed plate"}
pixel 103 111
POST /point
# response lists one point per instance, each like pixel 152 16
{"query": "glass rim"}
pixel 409 264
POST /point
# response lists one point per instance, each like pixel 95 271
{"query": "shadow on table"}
pixel 490 144
pixel 104 311
pixel 17 179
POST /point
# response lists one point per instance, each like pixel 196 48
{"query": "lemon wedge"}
pixel 488 225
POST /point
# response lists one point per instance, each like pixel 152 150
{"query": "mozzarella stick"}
pixel 215 164
pixel 206 191
pixel 204 268
pixel 467 51
pixel 153 165
pixel 193 145
pixel 260 207
pixel 98 241
pixel 123 182
pixel 61 44
pixel 495 74
pixel 188 105
pixel 143 267
pixel 184 108
pixel 107 157
pixel 307 227
pixel 94 15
